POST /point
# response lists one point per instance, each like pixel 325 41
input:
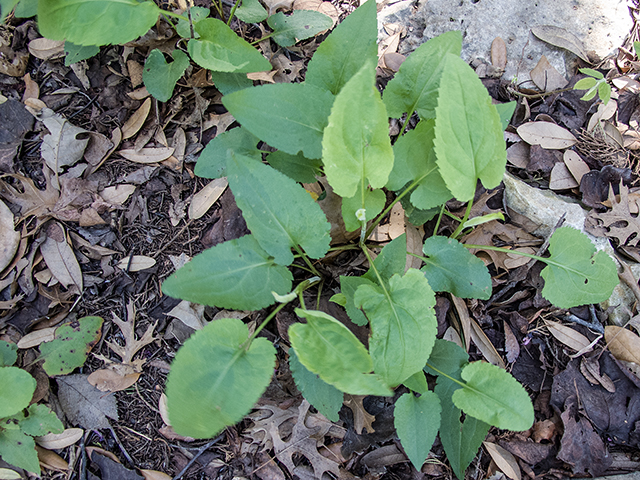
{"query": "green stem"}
pixel 307 261
pixel 255 42
pixel 379 218
pixel 445 375
pixel 442 210
pixel 233 12
pixel 263 324
pixel 174 15
pixel 406 123
pixel 455 234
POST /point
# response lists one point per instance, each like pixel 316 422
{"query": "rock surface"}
pixel 600 24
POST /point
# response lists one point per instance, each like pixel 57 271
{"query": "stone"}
pixel 600 24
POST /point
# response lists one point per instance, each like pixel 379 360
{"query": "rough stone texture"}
pixel 601 24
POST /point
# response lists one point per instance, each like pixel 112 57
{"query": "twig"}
pixel 122 449
pixel 200 451
pixel 173 239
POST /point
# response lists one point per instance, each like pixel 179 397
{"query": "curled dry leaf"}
pixel 205 198
pixel 568 336
pixel 135 121
pixel 623 344
pixel 191 314
pixel 499 53
pixel 147 155
pixel 546 77
pixel 59 257
pixel 35 338
pixel 50 460
pixel 9 238
pixel 576 165
pixel 55 441
pixel 65 144
pixel 561 38
pixel 505 461
pixel 136 263
pixel 46 49
pixel 118 194
pixel 561 178
pixel 108 380
pixel 547 135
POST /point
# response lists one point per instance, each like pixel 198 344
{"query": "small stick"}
pixel 200 451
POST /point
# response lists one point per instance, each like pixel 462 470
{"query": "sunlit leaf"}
pixel 14 399
pixel 300 25
pixel 251 11
pixel 372 202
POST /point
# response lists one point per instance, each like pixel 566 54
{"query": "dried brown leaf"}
pixel 117 194
pixel 59 257
pixel 154 475
pixel 576 165
pixel 561 178
pixel 46 49
pixel 568 336
pixel 485 346
pixel 35 338
pixel 147 155
pixel 623 344
pixel 65 144
pixel 546 134
pixel 50 460
pixel 617 223
pixel 31 88
pixel 56 441
pixel 361 418
pixel 561 38
pixel 135 121
pixel 511 345
pixel 108 380
pixel 132 345
pixel 518 154
pixel 205 198
pixel 546 77
pixel 191 314
pixel 9 238
pixel 505 461
pixel 499 53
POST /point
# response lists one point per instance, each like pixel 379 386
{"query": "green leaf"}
pixel 76 53
pixel 403 324
pixel 372 202
pixel 417 420
pixel 489 217
pixel 356 149
pixel 469 142
pixel 41 421
pixel 237 274
pixel 71 345
pixel 349 285
pixel 251 11
pixel 197 13
pixel 604 92
pixel 288 116
pixel 505 111
pixel 636 47
pixel 415 161
pixel 300 25
pixel 5 8
pixel 278 211
pixel 19 450
pixel 26 9
pixel 161 77
pixel 327 348
pixel 391 260
pixel 332 64
pixel 590 95
pixel 576 275
pixel 585 83
pixel 220 49
pixel 417 382
pixel 415 86
pixel 16 398
pixel 417 216
pixel 446 357
pixel 230 82
pixel 494 397
pixel 212 162
pixel 452 268
pixel 215 378
pixel 326 398
pixel 8 353
pixel 96 22
pixel 592 73
pixel 298 167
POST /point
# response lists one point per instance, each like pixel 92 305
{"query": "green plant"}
pixel 594 84
pixel 87 24
pixel 20 420
pixel 336 124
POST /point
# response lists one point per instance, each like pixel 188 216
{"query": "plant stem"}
pixel 307 261
pixel 379 218
pixel 255 42
pixel 233 11
pixel 506 250
pixel 406 123
pixel 467 212
pixel 446 376
pixel 442 210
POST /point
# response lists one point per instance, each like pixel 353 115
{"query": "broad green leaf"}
pixel 450 267
pixel 391 261
pixel 41 421
pixel 278 211
pixel 356 149
pixel 415 161
pixel 592 73
pixel 403 324
pixel 197 13
pixel 298 167
pixel 591 93
pixel 446 357
pixel 372 202
pixel 161 77
pixel 326 398
pixel 469 142
pixel 585 83
pixel 220 49
pixel 16 398
pixel 212 162
pixel 636 48
pixel 26 9
pixel 493 396
pixel 349 285
pixel 417 216
pixel 251 11
pixel 8 353
pixel 300 25
pixel 230 82
pixel 237 274
pixel 505 111
pixel 489 217
pixel 216 378
pixel 288 116
pixel 5 7
pixel 71 344
pixel 415 86
pixel 19 450
pixel 575 274
pixel 604 92
pixel 417 382
pixel 76 53
pixel 327 348
pixel 96 22
pixel 417 420
pixel 332 65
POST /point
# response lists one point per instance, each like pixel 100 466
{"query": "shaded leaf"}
pixel 622 343
pixel 19 449
pixel 469 143
pixel 16 398
pixel 356 149
pixel 216 378
pixel 327 348
pixel 9 238
pixel 391 261
pixel 60 259
pixel 561 38
pixel 84 404
pixel 161 77
pixel 40 421
pixel 230 82
pixel 568 336
pixel 417 420
pixel 8 353
pixel 349 285
pixel 76 53
pixel 281 217
pixel 237 274
pixel 298 167
pixel 212 162
pixel 372 202
pixel 300 25
pixel 197 13
pixel 288 116
pixel 546 134
pixel 251 11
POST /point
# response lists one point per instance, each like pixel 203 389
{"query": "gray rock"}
pixel 601 25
